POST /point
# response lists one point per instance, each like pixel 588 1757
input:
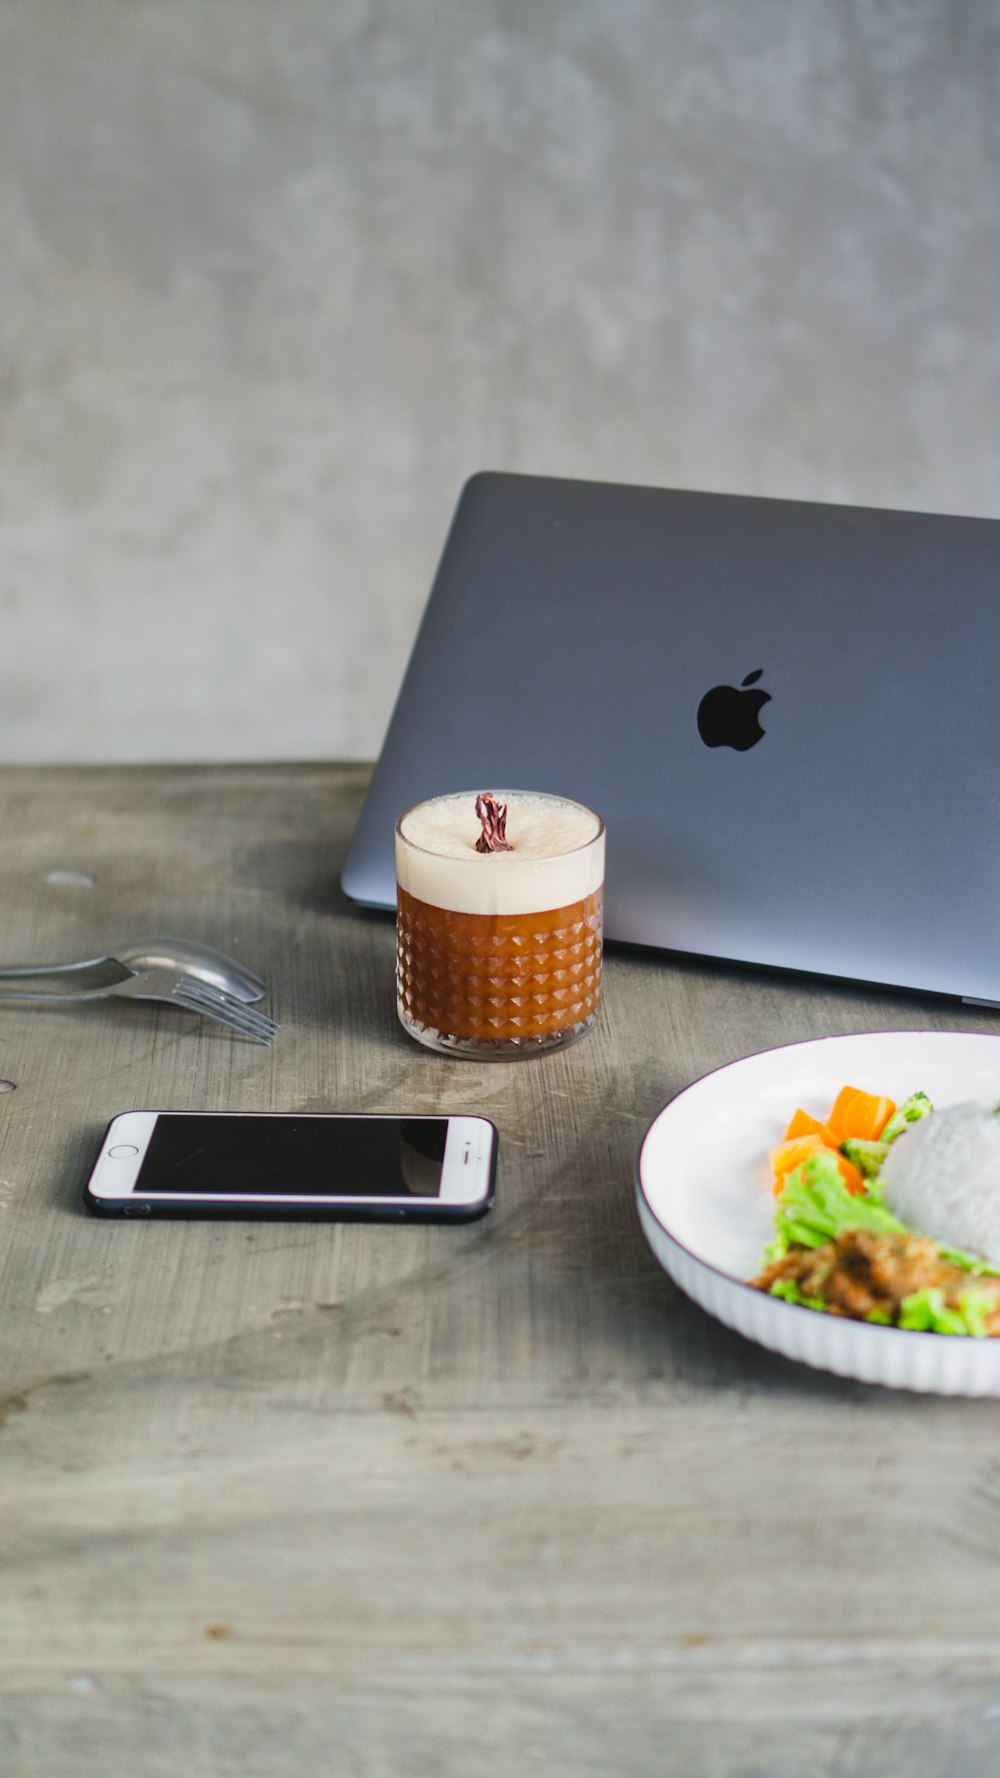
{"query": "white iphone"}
pixel 262 1164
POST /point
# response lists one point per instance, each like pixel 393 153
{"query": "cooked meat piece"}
pixel 863 1273
pixel 901 1264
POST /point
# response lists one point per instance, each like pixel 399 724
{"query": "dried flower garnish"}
pixel 493 816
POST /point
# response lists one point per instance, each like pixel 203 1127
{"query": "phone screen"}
pixel 264 1156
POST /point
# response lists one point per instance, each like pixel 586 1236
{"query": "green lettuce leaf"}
pixel 979 1268
pixel 927 1312
pixel 816 1206
pixel 790 1292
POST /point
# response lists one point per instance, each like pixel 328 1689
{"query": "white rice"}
pixel 942 1177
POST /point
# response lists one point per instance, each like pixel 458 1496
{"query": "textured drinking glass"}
pixel 499 951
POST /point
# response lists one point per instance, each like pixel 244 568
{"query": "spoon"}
pixel 192 958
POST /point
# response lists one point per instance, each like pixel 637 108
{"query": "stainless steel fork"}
pixel 103 977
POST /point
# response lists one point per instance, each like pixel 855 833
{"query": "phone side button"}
pixel 137 1210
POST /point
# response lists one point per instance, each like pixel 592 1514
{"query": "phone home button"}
pixel 122 1151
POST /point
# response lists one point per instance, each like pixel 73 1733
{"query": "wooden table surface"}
pixel 386 1502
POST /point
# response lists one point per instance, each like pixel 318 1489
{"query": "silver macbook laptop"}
pixel 787 714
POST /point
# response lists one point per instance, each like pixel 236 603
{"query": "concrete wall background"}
pixel 277 275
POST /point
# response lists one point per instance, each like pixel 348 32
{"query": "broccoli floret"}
pixel 910 1112
pixel 866 1156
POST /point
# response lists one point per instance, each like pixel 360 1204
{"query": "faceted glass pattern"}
pixel 498 983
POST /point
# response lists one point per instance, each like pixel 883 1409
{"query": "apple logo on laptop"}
pixel 728 714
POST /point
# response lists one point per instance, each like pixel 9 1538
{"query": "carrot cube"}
pixel 859 1114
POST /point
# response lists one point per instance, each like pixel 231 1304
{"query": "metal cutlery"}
pixel 98 978
pixel 189 957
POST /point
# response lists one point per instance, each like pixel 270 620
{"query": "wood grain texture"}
pixel 304 1499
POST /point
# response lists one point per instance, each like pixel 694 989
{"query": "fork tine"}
pixel 234 1017
pixel 214 1003
pixel 210 995
pixel 227 1008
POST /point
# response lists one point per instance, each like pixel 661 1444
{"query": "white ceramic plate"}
pixel 706 1206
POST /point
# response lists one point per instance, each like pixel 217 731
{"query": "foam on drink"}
pixel 556 856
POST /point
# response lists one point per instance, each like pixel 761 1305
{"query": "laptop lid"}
pixel 787 714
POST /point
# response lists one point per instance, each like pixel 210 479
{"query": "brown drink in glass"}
pixel 499 951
